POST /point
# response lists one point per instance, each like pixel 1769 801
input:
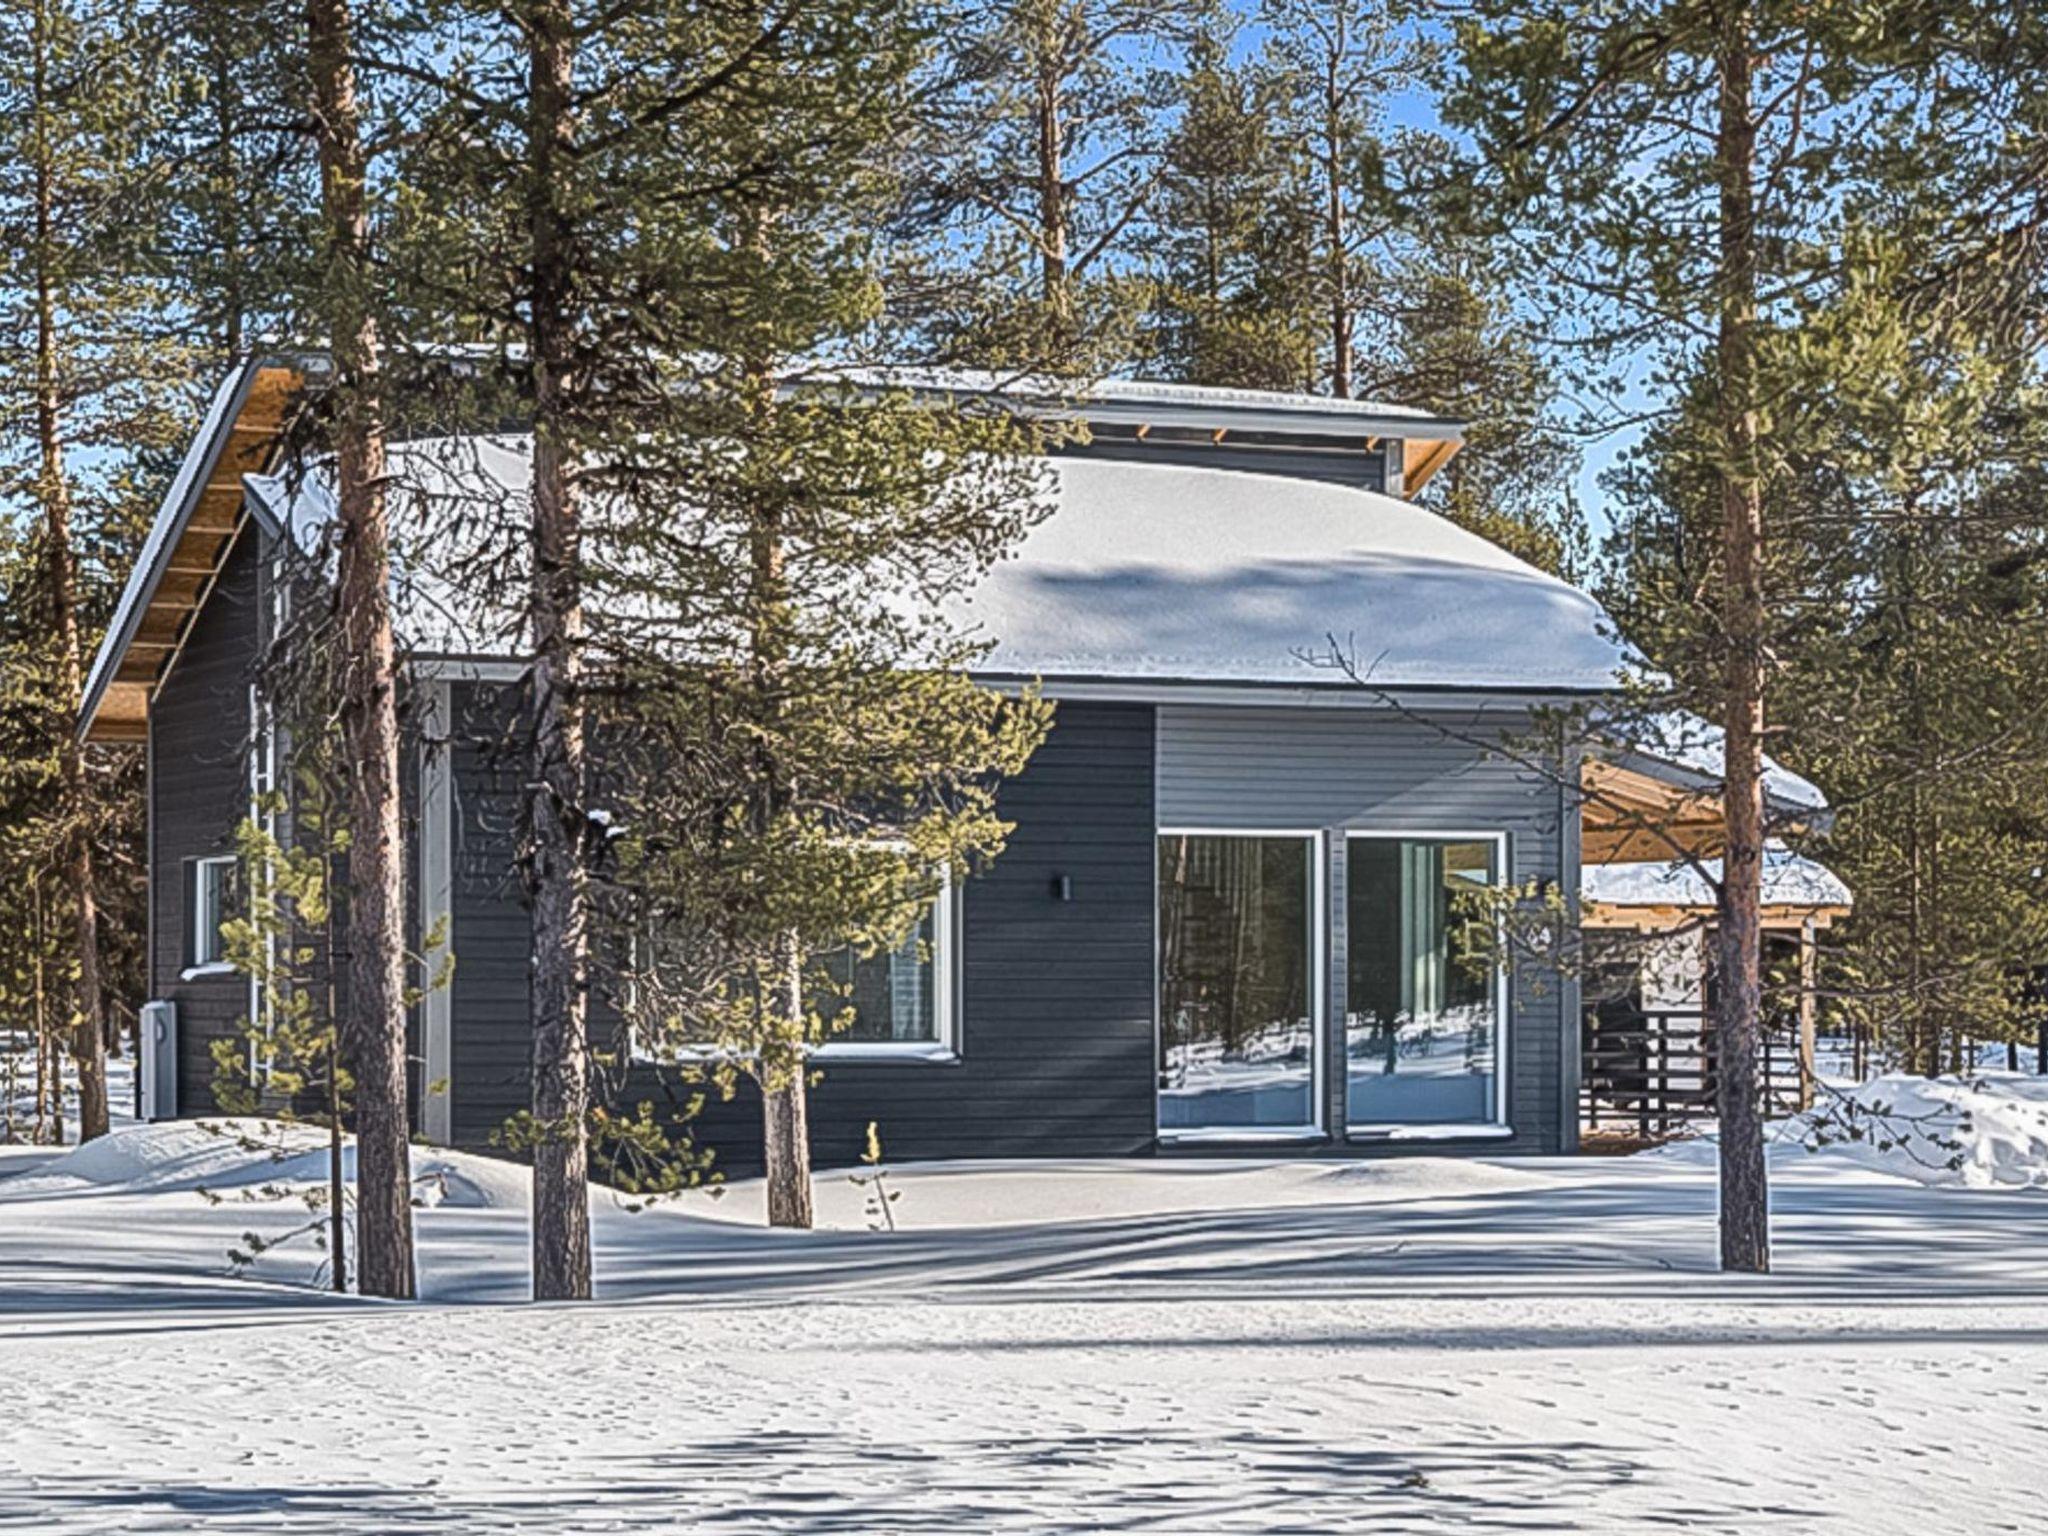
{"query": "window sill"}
pixel 1245 1136
pixel 905 1054
pixel 1372 1133
pixel 846 1054
pixel 211 968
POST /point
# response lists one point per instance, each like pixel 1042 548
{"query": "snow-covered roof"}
pixel 1148 573
pixel 1134 401
pixel 1789 880
pixel 1691 745
pixel 1163 572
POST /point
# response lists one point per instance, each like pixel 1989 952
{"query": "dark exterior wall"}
pixel 488 925
pixel 1055 1001
pixel 199 793
pixel 1056 1039
pixel 1352 464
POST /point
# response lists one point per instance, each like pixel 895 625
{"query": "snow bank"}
pixel 1989 1131
pixel 231 1154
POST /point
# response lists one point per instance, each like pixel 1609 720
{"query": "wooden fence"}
pixel 1654 1072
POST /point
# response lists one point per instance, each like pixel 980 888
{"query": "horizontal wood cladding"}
pixel 1352 464
pixel 199 794
pixel 1055 1028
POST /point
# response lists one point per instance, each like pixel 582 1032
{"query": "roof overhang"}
pixel 1639 809
pixel 1619 917
pixel 194 529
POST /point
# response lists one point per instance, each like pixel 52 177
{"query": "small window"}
pixel 900 997
pixel 902 1000
pixel 213 892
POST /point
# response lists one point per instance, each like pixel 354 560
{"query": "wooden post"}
pixel 1807 950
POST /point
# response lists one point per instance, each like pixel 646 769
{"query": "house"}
pixel 1225 917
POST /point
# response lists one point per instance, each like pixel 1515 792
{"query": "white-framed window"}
pixel 1426 1004
pixel 1240 984
pixel 212 892
pixel 905 1001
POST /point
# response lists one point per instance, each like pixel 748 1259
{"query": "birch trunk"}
pixel 555 822
pixel 1745 1196
pixel 53 490
pixel 373 1022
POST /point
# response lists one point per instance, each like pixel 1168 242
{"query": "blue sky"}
pixel 1417 109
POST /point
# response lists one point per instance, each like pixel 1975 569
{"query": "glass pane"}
pixel 1237 1032
pixel 1420 1012
pixel 893 995
pixel 215 902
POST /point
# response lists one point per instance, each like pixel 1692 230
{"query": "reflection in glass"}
pixel 1421 1011
pixel 893 995
pixel 1236 989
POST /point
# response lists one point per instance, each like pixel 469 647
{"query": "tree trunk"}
pixel 374 1022
pixel 1745 1195
pixel 555 822
pixel 785 1119
pixel 1052 192
pixel 1338 269
pixel 53 490
pixel 337 1216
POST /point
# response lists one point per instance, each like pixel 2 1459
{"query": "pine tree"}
pixel 564 193
pixel 78 404
pixel 368 689
pixel 1046 166
pixel 1231 252
pixel 1677 174
pixel 1909 536
pixel 1456 347
pixel 1334 65
pixel 241 225
pixel 801 757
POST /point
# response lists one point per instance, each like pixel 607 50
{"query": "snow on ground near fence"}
pixel 1173 1346
pixel 1987 1131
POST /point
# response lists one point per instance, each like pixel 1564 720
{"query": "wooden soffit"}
pixel 1629 817
pixel 199 523
pixel 1425 458
pixel 1613 917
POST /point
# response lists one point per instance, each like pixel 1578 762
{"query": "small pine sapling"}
pixel 881 1199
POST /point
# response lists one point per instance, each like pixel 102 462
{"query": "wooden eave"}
pixel 1620 917
pixel 1425 458
pixel 204 516
pixel 1629 817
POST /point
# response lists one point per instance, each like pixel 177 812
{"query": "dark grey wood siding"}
pixel 199 793
pixel 1335 770
pixel 488 925
pixel 1351 464
pixel 1055 1001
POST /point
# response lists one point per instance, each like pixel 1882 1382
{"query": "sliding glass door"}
pixel 1422 1023
pixel 1239 926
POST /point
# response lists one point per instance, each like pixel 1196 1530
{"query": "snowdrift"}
pixel 1985 1131
pixel 235 1154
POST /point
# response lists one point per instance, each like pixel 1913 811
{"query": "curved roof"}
pixel 1157 573
pixel 1167 573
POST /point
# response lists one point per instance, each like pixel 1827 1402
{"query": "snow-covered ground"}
pixel 1422 1344
pixel 1982 1132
